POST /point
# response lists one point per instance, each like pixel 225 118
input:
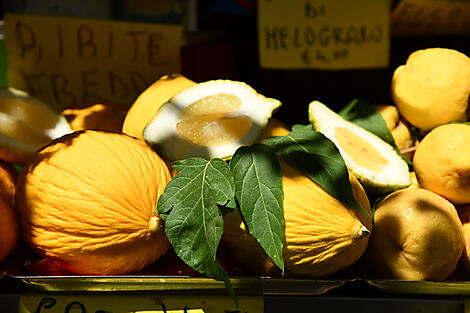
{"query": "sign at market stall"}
pixel 431 18
pixel 314 34
pixel 136 303
pixel 64 61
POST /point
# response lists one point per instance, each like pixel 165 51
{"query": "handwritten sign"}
pixel 431 18
pixel 136 303
pixel 333 34
pixel 63 61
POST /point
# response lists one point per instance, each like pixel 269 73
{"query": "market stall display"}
pixel 355 194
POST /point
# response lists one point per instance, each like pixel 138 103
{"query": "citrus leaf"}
pixel 189 206
pixel 318 157
pixel 364 114
pixel 258 190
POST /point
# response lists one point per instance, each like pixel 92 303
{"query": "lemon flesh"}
pixel 373 161
pixel 26 125
pixel 210 119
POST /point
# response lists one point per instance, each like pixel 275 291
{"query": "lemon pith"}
pixel 373 161
pixel 210 119
pixel 26 125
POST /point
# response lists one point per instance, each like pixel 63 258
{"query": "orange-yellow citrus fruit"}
pixel 26 125
pixel 147 104
pixel 9 227
pixel 442 162
pixel 417 236
pixel 8 178
pixel 102 115
pixel 433 87
pixel 209 120
pixel 398 128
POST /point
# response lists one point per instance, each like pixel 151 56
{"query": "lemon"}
pixel 400 132
pixel 417 236
pixel 442 162
pixel 26 125
pixel 373 161
pixel 147 104
pixel 211 119
pixel 432 88
pixel 464 214
pixel 100 115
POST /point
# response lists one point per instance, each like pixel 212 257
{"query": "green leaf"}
pixel 189 206
pixel 258 190
pixel 18 168
pixel 364 114
pixel 317 156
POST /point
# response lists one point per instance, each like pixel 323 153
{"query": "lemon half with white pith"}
pixel 209 120
pixel 26 125
pixel 374 162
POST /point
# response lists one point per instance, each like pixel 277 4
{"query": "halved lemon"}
pixel 372 160
pixel 147 104
pixel 211 119
pixel 26 125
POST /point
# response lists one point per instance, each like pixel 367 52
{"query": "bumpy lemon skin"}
pixel 398 128
pixel 433 87
pixel 442 162
pixel 417 236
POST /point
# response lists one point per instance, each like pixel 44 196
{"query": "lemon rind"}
pixel 394 175
pixel 160 133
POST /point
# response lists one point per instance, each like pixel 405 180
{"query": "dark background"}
pixel 296 89
pixel 224 46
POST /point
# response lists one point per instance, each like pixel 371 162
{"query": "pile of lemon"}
pixel 421 228
pixel 421 232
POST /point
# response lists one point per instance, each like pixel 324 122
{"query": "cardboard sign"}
pixel 333 34
pixel 136 303
pixel 64 61
pixel 415 18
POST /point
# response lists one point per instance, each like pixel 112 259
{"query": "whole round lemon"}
pixel 417 236
pixel 442 162
pixel 400 132
pixel 433 87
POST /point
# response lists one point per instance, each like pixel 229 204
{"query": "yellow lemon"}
pixel 147 104
pixel 26 125
pixel 442 162
pixel 101 115
pixel 400 132
pixel 432 88
pixel 464 214
pixel 417 236
pixel 210 119
pixel 373 161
